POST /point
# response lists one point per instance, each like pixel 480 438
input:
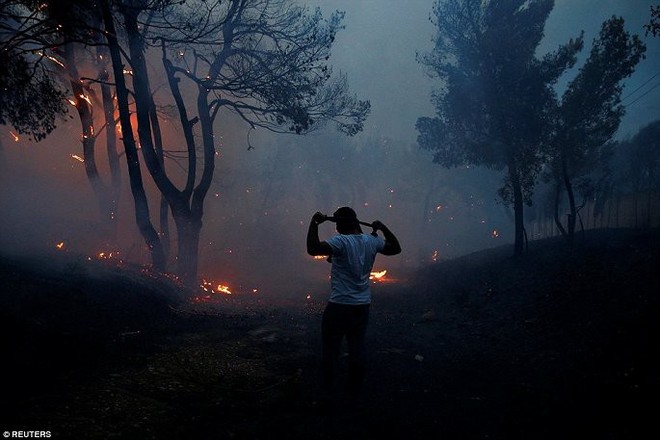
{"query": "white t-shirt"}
pixel 353 257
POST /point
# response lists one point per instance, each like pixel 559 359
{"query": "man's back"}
pixel 353 257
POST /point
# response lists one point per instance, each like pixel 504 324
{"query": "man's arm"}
pixel 314 245
pixel 392 246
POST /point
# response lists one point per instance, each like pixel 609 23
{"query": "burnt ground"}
pixel 563 343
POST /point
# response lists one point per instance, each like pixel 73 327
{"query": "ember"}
pixel 207 286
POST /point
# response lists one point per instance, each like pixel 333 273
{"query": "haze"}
pixel 262 198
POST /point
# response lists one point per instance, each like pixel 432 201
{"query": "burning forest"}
pixel 161 163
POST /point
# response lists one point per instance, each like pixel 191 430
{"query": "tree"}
pixel 61 33
pixel 492 106
pixel 590 111
pixel 80 46
pixel 30 99
pixel 653 25
pixel 266 61
pixel 641 165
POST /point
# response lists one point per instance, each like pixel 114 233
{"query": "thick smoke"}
pixel 262 198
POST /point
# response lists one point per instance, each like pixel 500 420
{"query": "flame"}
pixel 223 289
pixel 106 255
pixel 207 286
pixel 50 57
pixel 86 98
pixel 377 275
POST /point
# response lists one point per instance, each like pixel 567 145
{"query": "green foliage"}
pixel 653 26
pixel 492 108
pixel 30 100
pixel 590 110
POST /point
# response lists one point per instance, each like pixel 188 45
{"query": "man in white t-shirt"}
pixel 346 315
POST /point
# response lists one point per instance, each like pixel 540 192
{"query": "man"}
pixel 352 254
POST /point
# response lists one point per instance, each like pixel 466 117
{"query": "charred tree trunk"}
pixel 188 233
pixel 85 111
pixel 111 145
pixel 557 204
pixel 137 187
pixel 164 206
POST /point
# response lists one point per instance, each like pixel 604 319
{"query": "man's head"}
pixel 347 221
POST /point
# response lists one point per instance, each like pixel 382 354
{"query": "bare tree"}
pixel 266 61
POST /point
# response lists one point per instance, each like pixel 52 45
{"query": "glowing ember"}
pixel 78 158
pixel 15 136
pixel 60 245
pixel 435 255
pixel 377 276
pixel 106 255
pixel 223 289
pixel 207 286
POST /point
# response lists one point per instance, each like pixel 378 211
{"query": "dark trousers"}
pixel 349 321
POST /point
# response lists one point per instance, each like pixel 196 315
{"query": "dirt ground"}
pixel 560 344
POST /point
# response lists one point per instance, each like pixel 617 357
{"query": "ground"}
pixel 561 343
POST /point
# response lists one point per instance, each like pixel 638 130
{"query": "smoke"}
pixel 258 210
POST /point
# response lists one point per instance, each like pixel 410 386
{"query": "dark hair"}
pixel 346 219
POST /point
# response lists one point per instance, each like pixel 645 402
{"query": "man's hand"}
pixel 377 225
pixel 319 218
pixel 392 246
pixel 314 245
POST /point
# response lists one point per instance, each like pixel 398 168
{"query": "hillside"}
pixel 561 343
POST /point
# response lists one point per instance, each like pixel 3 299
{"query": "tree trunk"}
pixel 572 216
pixel 88 139
pixel 111 146
pixel 142 217
pixel 519 234
pixel 560 226
pixel 188 233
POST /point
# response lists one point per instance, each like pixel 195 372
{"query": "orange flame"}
pixel 377 275
pixel 207 286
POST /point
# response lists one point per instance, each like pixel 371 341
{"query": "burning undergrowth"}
pixel 558 343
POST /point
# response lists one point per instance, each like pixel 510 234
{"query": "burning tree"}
pixel 30 99
pixel 265 61
pixel 64 37
pixel 495 94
